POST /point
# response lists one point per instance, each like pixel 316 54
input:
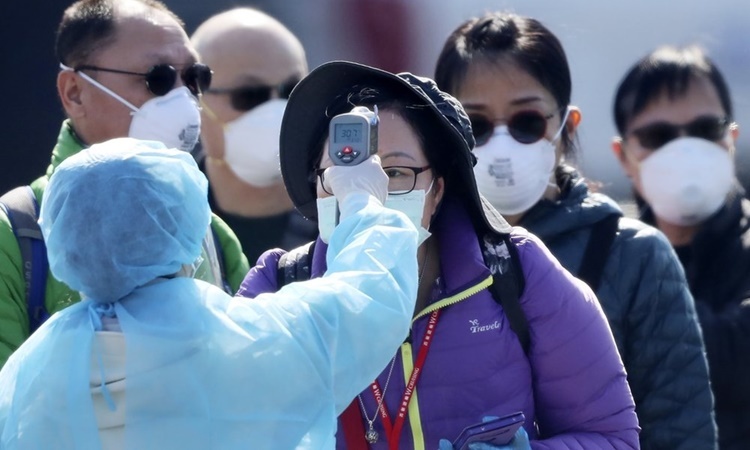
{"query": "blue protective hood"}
pixel 122 213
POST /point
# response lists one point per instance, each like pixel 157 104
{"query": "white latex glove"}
pixel 367 177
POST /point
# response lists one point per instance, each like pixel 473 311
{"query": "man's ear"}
pixel 617 148
pixel 734 133
pixel 621 157
pixel 69 90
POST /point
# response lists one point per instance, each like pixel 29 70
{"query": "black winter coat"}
pixel 717 265
pixel 645 297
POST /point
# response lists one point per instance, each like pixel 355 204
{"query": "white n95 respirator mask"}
pixel 173 119
pixel 687 180
pixel 251 144
pixel 513 176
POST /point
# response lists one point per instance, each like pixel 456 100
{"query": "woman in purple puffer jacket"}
pixel 461 362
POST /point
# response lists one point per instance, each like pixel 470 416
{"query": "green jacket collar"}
pixel 68 144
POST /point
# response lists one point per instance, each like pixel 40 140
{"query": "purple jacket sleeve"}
pixel 581 391
pixel 261 278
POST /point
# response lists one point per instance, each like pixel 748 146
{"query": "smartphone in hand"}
pixel 497 432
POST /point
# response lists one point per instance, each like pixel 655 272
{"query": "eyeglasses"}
pixel 161 78
pixel 526 127
pixel 401 179
pixel 657 134
pixel 245 98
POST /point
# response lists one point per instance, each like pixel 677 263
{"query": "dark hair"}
pixel 89 25
pixel 496 35
pixel 419 117
pixel 667 70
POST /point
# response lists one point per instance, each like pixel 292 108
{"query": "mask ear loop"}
pixel 557 135
pixel 437 208
pixel 562 124
pixel 101 86
pixel 429 188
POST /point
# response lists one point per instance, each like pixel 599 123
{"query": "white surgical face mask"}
pixel 687 180
pixel 251 144
pixel 511 175
pixel 327 211
pixel 411 204
pixel 173 119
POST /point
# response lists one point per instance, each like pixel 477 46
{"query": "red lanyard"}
pixel 393 430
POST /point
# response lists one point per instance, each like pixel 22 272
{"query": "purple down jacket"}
pixel 571 387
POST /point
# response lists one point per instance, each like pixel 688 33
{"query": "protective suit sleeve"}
pixel 352 320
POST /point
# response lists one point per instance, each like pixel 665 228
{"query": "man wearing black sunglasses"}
pixel 676 143
pixel 127 69
pixel 242 113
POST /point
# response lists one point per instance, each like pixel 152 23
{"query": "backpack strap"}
pixel 508 283
pixel 597 250
pixel 22 209
pixel 295 265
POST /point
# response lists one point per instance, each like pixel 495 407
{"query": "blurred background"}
pixel 602 40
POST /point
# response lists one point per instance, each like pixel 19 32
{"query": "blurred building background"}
pixel 602 40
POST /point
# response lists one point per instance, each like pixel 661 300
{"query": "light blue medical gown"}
pixel 207 371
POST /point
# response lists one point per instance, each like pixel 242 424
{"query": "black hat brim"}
pixel 305 123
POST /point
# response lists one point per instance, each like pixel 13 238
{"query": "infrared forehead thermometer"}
pixel 353 136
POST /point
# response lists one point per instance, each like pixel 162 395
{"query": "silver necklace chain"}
pixel 371 435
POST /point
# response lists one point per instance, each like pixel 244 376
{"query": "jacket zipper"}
pixel 463 295
pixel 415 421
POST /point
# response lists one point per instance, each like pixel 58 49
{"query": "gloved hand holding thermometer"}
pixel 353 142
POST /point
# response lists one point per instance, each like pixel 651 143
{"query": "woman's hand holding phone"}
pixel 494 433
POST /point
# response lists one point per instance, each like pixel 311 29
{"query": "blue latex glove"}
pixel 520 442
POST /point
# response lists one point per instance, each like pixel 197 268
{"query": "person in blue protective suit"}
pixel 152 358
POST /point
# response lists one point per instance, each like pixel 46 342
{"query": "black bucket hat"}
pixel 305 125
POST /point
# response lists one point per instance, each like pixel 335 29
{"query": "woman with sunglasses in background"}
pixel 512 76
pixel 463 360
pixel 674 115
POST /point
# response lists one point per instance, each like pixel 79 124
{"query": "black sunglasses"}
pixel 161 78
pixel 525 127
pixel 245 98
pixel 657 134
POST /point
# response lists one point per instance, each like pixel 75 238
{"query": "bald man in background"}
pixel 256 61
